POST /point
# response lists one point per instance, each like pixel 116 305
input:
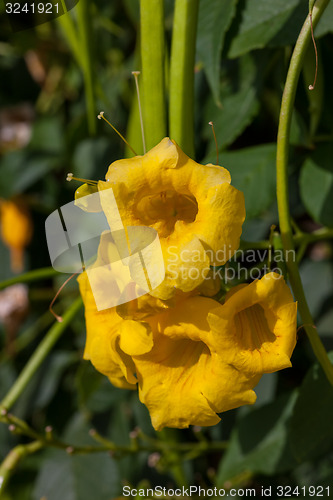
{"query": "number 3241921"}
pixel 32 8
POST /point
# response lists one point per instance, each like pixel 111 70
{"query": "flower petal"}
pixel 193 208
pixel 258 322
pixel 183 380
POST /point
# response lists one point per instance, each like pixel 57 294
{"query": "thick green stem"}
pixel 287 105
pixel 38 274
pixel 69 29
pixel 181 110
pixel 85 34
pixel 12 460
pixel 152 63
pixel 39 355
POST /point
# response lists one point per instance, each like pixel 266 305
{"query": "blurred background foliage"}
pixel 55 78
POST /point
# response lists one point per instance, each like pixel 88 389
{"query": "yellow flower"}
pixel 257 324
pixel 186 379
pixel 198 358
pixel 16 230
pixel 182 379
pixel 193 208
pixel 102 342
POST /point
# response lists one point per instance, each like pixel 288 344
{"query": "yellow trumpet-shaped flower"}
pixel 186 379
pixel 258 325
pixel 197 214
pixel 16 230
pixel 193 358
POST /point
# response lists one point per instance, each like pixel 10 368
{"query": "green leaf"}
pixel 47 135
pixel 311 430
pixel 267 22
pixel 316 185
pixel 211 36
pixel 317 279
pixel 94 390
pixel 92 158
pixel 7 377
pixel 259 443
pixel 21 169
pixel 325 24
pixel 253 172
pixel 57 363
pixel 236 114
pixel 77 477
pixel 237 108
pixel 299 134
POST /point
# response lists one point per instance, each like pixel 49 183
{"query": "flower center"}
pixel 162 210
pixel 252 328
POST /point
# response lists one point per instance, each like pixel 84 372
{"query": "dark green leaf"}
pixel 92 158
pixel 47 135
pixel 95 392
pixel 325 24
pixel 77 477
pixel 235 115
pixel 261 21
pixel 253 172
pixel 299 134
pixel 21 169
pixel 317 279
pixel 259 443
pixel 311 430
pixel 56 365
pixel 211 36
pixel 7 377
pixel 316 185
pixel 238 106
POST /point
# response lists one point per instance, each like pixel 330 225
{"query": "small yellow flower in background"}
pixel 193 208
pixel 16 230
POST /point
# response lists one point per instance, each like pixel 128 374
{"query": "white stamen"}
pixel 69 177
pixel 100 116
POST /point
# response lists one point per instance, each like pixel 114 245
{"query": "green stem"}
pixel 152 63
pixel 38 274
pixel 12 460
pixel 287 105
pixel 39 355
pixel 319 235
pixel 181 109
pixel 69 30
pixel 145 444
pixel 299 238
pixel 85 34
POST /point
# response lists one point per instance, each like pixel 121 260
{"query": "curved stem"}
pixel 39 355
pixel 38 274
pixel 287 105
pixel 152 62
pixel 13 458
pixel 181 109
